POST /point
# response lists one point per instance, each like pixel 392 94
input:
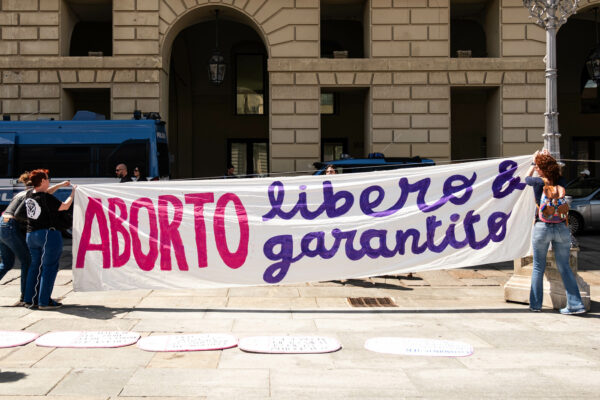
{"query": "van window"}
pixel 163 159
pixel 131 152
pixel 62 161
pixel 4 155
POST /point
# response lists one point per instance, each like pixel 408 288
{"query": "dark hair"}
pixel 332 167
pixel 229 166
pixel 549 167
pixel 36 176
pixel 142 176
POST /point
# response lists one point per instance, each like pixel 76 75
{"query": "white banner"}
pixel 230 232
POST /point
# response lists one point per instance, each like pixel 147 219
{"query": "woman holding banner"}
pixel 550 230
pixel 12 237
pixel 44 240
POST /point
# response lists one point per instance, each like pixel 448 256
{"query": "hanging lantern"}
pixel 593 64
pixel 593 61
pixel 216 63
pixel 216 68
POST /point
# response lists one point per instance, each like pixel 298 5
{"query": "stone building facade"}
pixel 417 97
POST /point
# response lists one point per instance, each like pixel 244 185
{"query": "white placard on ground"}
pixel 16 338
pixel 191 342
pixel 419 347
pixel 289 344
pixel 88 339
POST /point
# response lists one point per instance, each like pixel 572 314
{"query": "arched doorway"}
pixel 211 126
pixel 578 96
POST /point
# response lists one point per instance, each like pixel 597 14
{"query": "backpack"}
pixel 553 206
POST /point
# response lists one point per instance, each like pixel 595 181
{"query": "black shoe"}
pixel 31 306
pixel 52 305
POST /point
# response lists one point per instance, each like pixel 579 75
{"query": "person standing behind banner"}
pixel 44 240
pixel 122 173
pixel 138 175
pixel 12 238
pixel 545 233
pixel 230 172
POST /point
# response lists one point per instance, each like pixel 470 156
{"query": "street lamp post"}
pixel 550 15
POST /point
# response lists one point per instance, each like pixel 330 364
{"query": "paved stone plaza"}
pixel 517 354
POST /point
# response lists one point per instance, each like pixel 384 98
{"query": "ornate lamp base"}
pixel 518 286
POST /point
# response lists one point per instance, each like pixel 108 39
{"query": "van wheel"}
pixel 575 223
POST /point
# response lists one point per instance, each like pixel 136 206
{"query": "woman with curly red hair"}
pixel 550 228
pixel 12 240
pixel 44 240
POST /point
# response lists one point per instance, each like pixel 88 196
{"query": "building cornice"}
pixel 420 64
pixel 289 64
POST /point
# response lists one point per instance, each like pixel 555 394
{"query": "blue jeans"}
pixel 12 243
pixel 45 246
pixel 560 237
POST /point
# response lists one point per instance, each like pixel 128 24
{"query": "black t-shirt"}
pixel 126 178
pixel 42 210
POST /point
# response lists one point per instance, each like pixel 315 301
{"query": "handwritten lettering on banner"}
pixel 269 231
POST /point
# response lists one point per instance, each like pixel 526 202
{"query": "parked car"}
pixel 374 162
pixel 583 197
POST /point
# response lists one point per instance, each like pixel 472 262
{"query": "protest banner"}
pixel 278 230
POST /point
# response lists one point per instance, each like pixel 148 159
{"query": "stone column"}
pixel 518 286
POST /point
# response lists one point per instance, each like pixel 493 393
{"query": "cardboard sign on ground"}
pixel 83 339
pixel 16 338
pixel 289 344
pixel 191 342
pixel 419 347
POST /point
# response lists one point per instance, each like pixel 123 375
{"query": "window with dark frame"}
pixel 89 25
pixel 332 149
pixel 250 84
pixel 97 100
pixel 249 157
pixel 474 27
pixel 342 28
pixel 328 104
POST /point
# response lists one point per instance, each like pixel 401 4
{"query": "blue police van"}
pixel 373 162
pixel 84 150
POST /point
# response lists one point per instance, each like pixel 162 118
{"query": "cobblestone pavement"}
pixel 517 354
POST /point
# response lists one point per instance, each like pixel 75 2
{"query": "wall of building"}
pixel 408 75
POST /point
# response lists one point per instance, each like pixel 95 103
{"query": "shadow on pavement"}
pixel 365 283
pixel 10 376
pixel 102 312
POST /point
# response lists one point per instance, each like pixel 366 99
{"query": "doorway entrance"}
pixel 211 126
